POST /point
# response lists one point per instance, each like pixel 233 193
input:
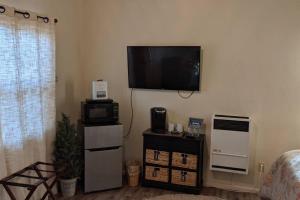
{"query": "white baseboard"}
pixel 233 187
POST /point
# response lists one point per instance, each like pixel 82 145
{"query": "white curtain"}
pixel 27 92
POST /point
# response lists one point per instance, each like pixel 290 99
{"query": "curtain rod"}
pixel 26 15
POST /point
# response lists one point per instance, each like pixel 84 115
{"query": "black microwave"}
pixel 99 112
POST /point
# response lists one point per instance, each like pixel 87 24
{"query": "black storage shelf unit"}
pixel 191 150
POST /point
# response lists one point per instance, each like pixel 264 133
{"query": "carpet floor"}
pixel 184 197
pixel 140 193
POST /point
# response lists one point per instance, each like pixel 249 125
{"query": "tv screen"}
pixel 164 67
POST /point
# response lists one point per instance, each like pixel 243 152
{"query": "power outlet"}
pixel 261 167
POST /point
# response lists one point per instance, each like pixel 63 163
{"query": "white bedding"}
pixel 283 180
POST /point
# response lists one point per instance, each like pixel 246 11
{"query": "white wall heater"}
pixel 230 140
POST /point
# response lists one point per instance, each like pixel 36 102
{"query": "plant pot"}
pixel 68 187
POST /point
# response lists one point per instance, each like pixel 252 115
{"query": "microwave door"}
pixel 101 113
pixel 98 112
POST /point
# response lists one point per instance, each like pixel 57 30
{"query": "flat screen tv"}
pixel 164 67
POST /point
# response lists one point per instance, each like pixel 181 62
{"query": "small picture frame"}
pixel 195 122
pixel 195 127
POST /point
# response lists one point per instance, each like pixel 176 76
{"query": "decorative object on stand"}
pixel 67 155
pixel 179 128
pixel 175 129
pixel 196 127
pixel 171 127
pixel 173 161
pixel 99 90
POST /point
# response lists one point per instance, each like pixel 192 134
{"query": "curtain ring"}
pixel 46 19
pixel 26 15
pixel 2 9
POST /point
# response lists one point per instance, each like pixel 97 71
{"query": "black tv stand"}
pixel 173 162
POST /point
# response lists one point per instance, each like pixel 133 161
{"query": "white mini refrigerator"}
pixel 103 157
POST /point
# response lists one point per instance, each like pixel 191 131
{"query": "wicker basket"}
pixel 133 180
pixel 157 157
pixel 157 174
pixel 133 170
pixel 188 161
pixel 180 177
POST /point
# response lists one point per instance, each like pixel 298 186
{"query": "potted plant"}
pixel 67 155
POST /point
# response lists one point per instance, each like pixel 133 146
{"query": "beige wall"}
pixel 251 66
pixel 68 13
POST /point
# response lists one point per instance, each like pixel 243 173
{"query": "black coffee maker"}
pixel 158 119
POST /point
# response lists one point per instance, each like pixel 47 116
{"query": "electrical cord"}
pixel 131 118
pixel 185 97
pixel 132 111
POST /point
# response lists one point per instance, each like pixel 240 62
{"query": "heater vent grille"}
pixel 230 137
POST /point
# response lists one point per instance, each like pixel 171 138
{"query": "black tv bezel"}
pixel 184 46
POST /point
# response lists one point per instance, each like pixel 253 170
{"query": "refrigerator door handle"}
pixel 104 149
